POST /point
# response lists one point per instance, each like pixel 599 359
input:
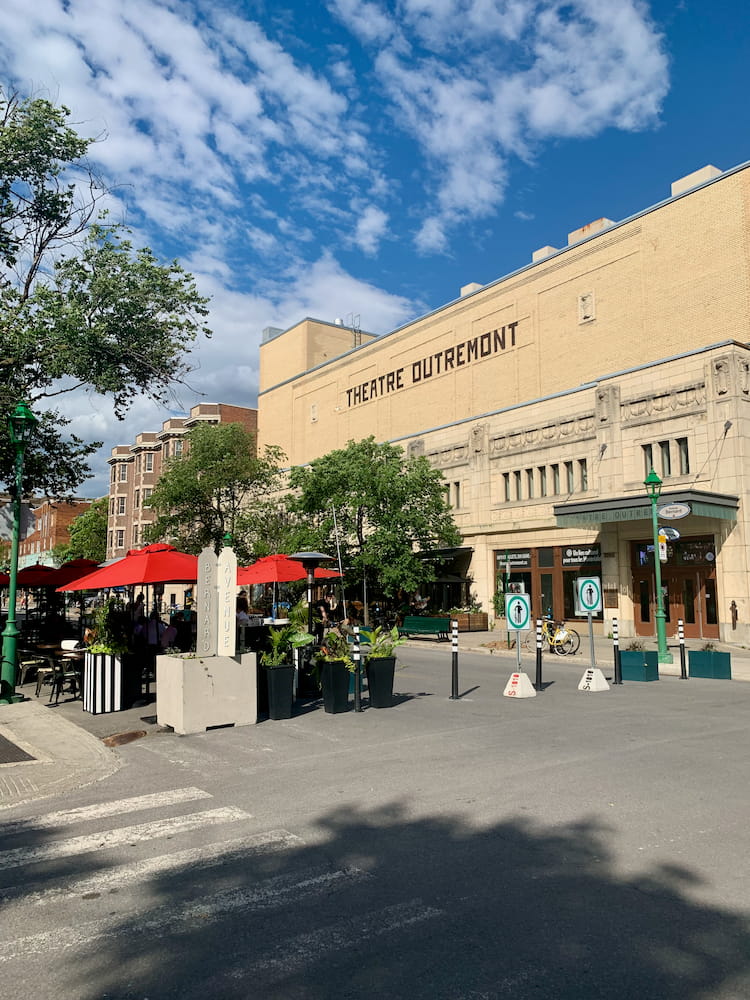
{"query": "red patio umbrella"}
pixel 37 575
pixel 157 563
pixel 4 579
pixel 73 570
pixel 279 569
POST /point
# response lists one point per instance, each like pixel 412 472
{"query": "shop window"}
pixel 666 459
pixel 570 483
pixel 583 475
pixel 555 479
pixel 684 457
pixel 648 458
pixel 542 472
pixel 530 483
pixel 546 557
pixel 506 487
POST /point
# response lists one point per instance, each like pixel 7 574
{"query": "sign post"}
pixel 589 597
pixel 518 615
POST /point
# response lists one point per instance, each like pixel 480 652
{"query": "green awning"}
pixel 638 508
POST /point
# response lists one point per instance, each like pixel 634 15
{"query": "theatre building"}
pixel 545 398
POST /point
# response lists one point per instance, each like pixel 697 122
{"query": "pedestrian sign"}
pixel 589 591
pixel 518 611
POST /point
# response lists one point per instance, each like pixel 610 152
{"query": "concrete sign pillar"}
pixel 226 591
pixel 207 603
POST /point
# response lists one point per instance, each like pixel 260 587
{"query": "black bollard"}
pixel 681 635
pixel 616 648
pixel 357 671
pixel 454 660
pixel 538 681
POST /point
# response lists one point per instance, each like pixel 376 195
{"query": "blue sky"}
pixel 367 159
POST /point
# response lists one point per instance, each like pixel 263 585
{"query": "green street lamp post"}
pixel 653 487
pixel 21 424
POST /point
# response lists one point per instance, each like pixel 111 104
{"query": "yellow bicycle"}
pixel 560 638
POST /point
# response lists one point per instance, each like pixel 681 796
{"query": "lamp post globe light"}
pixel 21 424
pixel 653 488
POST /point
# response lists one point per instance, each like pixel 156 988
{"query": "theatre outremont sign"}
pixel 482 346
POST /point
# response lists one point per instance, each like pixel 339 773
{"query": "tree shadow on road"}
pixel 386 905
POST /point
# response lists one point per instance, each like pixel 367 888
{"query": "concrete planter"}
pixel 195 693
pixel 710 663
pixel 639 665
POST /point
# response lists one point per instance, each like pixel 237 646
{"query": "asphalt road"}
pixel 571 845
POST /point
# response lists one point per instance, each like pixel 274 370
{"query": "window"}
pixel 648 458
pixel 178 447
pixel 506 487
pixel 147 493
pixel 112 507
pixel 111 538
pixel 682 449
pixel 583 475
pixel 123 472
pixel 120 538
pixel 138 462
pixel 137 499
pixel 457 495
pixel 570 484
pixel 517 479
pixel 165 449
pixel 542 470
pixel 666 459
pixel 149 456
pixel 530 483
pixel 555 478
pixel 121 505
pixel 113 474
pixel 135 534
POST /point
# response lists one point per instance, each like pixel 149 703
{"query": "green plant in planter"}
pixel 281 643
pixel 336 647
pixel 110 631
pixel 383 641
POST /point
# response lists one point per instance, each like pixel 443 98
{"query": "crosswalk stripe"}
pixel 120 876
pixel 68 817
pixel 175 918
pixel 114 838
pixel 292 953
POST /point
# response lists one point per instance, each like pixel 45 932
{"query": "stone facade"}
pixel 546 396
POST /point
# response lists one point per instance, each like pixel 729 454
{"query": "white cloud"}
pixel 372 226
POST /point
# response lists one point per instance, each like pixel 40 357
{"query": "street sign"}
pixel 518 612
pixel 671 534
pixel 673 511
pixel 589 590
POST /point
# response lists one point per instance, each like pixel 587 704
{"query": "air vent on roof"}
pixel 590 230
pixel 693 180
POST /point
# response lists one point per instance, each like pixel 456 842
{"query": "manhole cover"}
pixel 11 754
pixel 119 739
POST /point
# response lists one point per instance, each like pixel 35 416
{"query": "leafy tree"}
pixel 388 508
pixel 88 535
pixel 80 307
pixel 212 488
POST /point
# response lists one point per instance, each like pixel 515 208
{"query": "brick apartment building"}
pixel 51 522
pixel 135 470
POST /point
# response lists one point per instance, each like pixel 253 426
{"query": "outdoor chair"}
pixel 27 661
pixel 65 677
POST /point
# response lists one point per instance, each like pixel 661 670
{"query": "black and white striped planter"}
pixel 110 683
